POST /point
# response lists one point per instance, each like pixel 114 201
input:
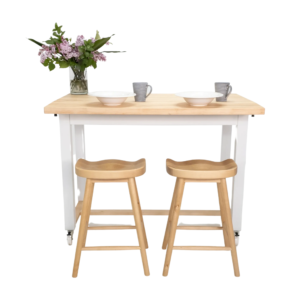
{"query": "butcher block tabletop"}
pixel 156 104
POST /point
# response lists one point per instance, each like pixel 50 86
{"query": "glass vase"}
pixel 78 81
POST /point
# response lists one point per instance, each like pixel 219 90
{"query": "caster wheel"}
pixel 70 238
pixel 237 238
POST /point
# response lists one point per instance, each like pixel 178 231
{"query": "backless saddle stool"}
pixel 111 171
pixel 200 171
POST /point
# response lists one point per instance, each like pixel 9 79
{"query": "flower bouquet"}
pixel 77 56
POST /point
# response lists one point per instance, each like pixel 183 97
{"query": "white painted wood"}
pixel 67 171
pixel 238 180
pixel 226 142
pixel 79 147
pixel 152 120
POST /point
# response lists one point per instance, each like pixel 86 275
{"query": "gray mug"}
pixel 224 88
pixel 140 89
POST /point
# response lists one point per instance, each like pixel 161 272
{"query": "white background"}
pixel 175 46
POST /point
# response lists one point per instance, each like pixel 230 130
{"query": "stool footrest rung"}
pixel 110 248
pixel 191 227
pixel 111 227
pixel 152 212
pixel 201 248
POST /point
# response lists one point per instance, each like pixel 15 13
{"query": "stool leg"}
pixel 85 215
pixel 141 214
pixel 171 213
pixel 223 217
pixel 179 193
pixel 228 221
pixel 138 223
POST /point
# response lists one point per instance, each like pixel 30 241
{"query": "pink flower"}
pixel 98 56
pixel 65 47
pixel 102 57
pixel 93 40
pixel 108 43
pixel 71 52
pixel 46 52
pixel 44 56
pixel 79 41
pixel 46 48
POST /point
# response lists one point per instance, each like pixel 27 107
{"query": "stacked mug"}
pixel 224 88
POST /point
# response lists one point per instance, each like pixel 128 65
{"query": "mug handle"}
pixel 150 90
pixel 229 91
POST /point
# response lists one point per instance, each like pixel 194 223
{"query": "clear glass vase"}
pixel 78 81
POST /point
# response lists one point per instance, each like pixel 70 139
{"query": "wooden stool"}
pixel 111 171
pixel 200 171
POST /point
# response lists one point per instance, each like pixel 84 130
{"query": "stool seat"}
pixel 202 169
pixel 110 169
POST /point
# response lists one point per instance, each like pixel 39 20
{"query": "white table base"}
pixel 72 142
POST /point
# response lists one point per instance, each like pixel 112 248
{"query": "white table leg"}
pixel 79 146
pixel 226 142
pixel 67 172
pixel 238 180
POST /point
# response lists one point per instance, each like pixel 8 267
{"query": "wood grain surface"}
pixel 156 104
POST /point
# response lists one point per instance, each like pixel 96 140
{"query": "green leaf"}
pixel 52 41
pixel 94 64
pixel 57 28
pixel 112 51
pixel 90 62
pixel 82 68
pixel 46 62
pixel 36 42
pixel 51 66
pixel 98 44
pixel 97 37
pixel 63 64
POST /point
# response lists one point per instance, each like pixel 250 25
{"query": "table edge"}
pixel 255 111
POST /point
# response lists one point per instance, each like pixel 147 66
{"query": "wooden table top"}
pixel 156 104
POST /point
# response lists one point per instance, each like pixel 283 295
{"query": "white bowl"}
pixel 199 98
pixel 112 98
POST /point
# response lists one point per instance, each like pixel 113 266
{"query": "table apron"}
pixel 153 120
